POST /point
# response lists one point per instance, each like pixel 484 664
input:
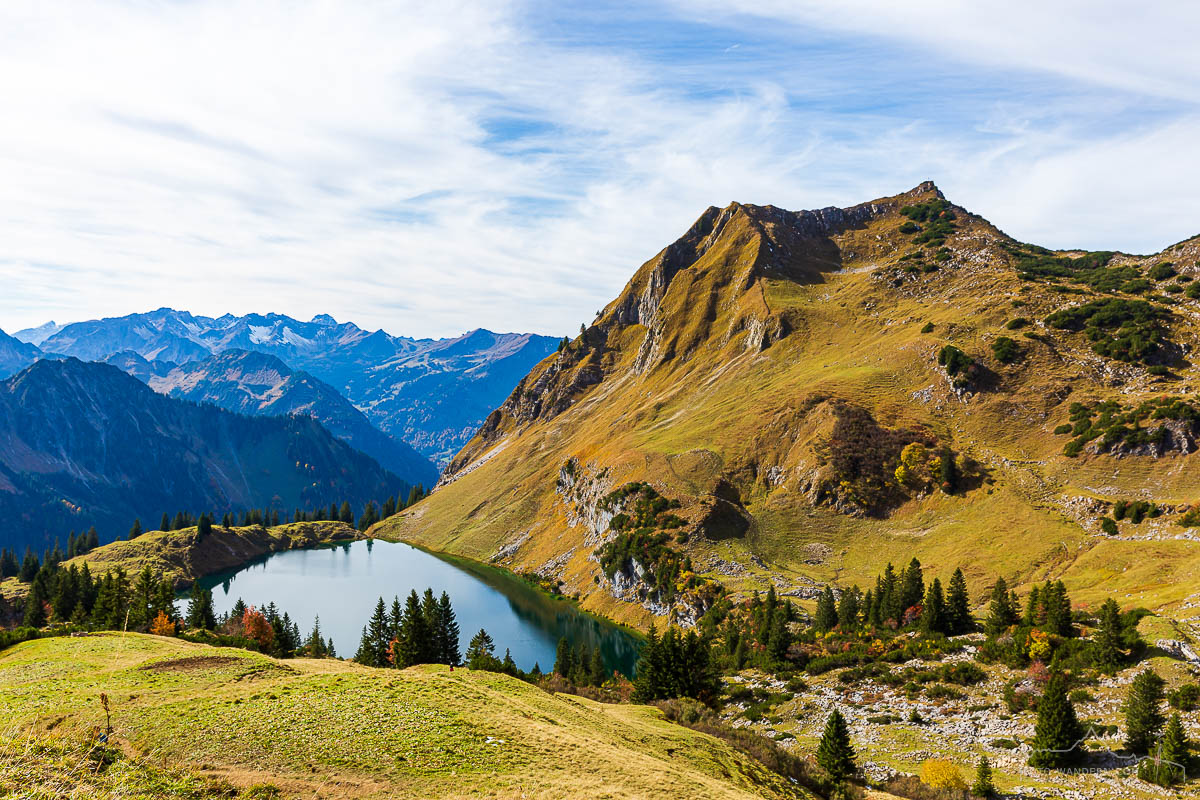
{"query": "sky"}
pixel 436 167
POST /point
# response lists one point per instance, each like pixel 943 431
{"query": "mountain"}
pixel 821 392
pixel 431 393
pixel 39 334
pixel 15 355
pixel 85 444
pixel 257 384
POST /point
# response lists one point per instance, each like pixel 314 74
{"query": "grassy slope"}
pixel 331 728
pixel 719 408
pixel 177 554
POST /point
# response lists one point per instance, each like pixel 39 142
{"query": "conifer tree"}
pixel 135 530
pixel 781 637
pixel 958 606
pixel 413 643
pixel 481 652
pixel 29 566
pixel 847 610
pixel 395 618
pixel 564 659
pixel 933 612
pixel 888 593
pixel 835 754
pixel 446 633
pixel 1034 614
pixel 165 524
pixel 1143 715
pixel 374 649
pixel 8 564
pixel 1057 733
pixel 203 527
pixel 314 646
pixel 71 545
pixel 35 605
pixel 913 586
pixel 596 670
pixel 200 613
pixel 389 507
pixel 1000 611
pixel 826 616
pixel 415 495
pixel 347 514
pixel 1168 765
pixel 93 540
pixel 646 685
pixel 508 666
pixel 1109 639
pixel 983 786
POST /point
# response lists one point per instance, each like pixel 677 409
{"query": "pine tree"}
pixel 508 666
pixel 413 643
pixel 933 612
pixel 1034 613
pixel 1057 733
pixel 983 786
pixel 958 606
pixel 647 685
pixel 71 545
pixel 835 754
pixel 29 566
pixel 93 540
pixel 1143 715
pixel 912 587
pixel 1168 765
pixel 314 646
pixel 1000 611
pixel 374 648
pixel 165 524
pixel 389 507
pixel 1109 639
pixel 347 514
pixel 369 517
pixel 781 637
pixel 415 495
pixel 35 605
pixel 826 616
pixel 446 633
pixel 481 652
pixel 203 528
pixel 136 530
pixel 847 610
pixel 564 659
pixel 596 669
pixel 1057 607
pixel 200 612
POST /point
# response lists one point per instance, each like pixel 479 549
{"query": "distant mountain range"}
pixel 15 355
pixel 258 384
pixel 86 444
pixel 430 393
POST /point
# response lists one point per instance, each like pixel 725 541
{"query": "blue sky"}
pixel 508 165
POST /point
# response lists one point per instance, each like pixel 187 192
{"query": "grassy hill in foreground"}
pixel 765 372
pixel 192 721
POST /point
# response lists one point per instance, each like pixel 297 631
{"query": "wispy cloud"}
pixel 433 168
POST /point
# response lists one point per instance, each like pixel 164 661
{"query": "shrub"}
pixel 954 360
pixel 1185 698
pixel 927 328
pixel 1162 270
pixel 1017 323
pixel 1065 428
pixel 1108 526
pixel 1125 330
pixel 1005 350
pixel 941 774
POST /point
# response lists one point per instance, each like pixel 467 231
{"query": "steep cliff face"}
pixel 824 391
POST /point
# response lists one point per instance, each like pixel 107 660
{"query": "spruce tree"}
pixel 71 545
pixel 315 644
pixel 1109 638
pixel 203 527
pixel 136 530
pixel 165 523
pixel 933 611
pixel 1143 715
pixel 200 612
pixel 983 786
pixel 826 617
pixel 375 648
pixel 446 633
pixel 93 540
pixel 389 507
pixel 1000 611
pixel 835 754
pixel 35 605
pixel 29 566
pixel 912 587
pixel 413 643
pixel 564 659
pixel 347 514
pixel 1057 734
pixel 596 673
pixel 1034 614
pixel 958 606
pixel 1168 765
pixel 481 652
pixel 847 611
pixel 647 685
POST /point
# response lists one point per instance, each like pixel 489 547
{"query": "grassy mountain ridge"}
pixel 778 362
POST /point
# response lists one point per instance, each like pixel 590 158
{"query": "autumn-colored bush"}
pixel 255 626
pixel 942 774
pixel 162 626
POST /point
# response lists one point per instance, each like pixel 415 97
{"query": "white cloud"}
pixel 360 159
